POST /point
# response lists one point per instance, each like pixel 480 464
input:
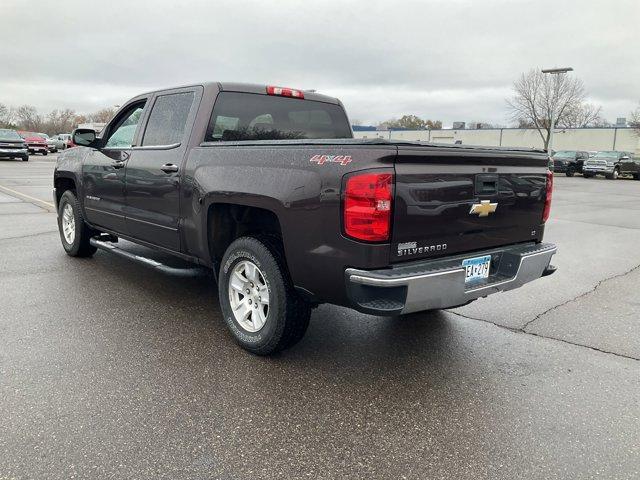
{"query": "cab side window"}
pixel 168 119
pixel 125 129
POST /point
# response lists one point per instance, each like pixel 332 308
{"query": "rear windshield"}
pixel 248 116
pixel 6 134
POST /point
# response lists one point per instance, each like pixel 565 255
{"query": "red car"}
pixel 35 143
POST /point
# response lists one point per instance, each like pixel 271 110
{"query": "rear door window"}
pixel 248 116
pixel 168 119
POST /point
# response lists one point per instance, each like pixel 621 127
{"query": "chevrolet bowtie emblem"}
pixel 483 209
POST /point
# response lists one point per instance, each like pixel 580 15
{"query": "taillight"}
pixel 367 205
pixel 285 92
pixel 547 200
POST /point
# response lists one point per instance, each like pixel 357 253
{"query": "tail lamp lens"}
pixel 547 201
pixel 367 206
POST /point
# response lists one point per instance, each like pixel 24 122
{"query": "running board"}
pixel 105 243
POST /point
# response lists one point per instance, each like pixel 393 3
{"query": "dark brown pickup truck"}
pixel 267 188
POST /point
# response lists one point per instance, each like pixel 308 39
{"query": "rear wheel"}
pixel 74 232
pixel 636 176
pixel 259 304
pixel 25 158
pixel 587 175
pixel 44 153
pixel 570 172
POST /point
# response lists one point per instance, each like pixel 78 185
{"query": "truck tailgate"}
pixel 455 200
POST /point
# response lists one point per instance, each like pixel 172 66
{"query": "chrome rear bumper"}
pixel 440 283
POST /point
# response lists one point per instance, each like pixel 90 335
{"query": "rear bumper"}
pixel 440 283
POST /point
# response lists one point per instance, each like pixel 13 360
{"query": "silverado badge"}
pixel 483 209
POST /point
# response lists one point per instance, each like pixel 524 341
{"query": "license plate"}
pixel 476 268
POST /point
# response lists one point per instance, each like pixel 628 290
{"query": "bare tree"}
pixel 634 120
pixel 537 94
pixel 60 121
pixel 103 115
pixel 28 118
pixel 7 116
pixel 582 115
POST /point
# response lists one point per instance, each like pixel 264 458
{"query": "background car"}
pixel 569 162
pixel 35 143
pixel 12 145
pixel 67 139
pixel 612 164
pixel 52 144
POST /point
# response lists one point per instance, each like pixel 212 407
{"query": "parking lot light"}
pixel 554 71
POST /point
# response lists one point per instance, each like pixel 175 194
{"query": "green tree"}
pixel 411 122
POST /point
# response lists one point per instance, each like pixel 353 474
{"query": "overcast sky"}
pixel 439 59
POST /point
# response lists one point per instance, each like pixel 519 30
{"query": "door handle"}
pixel 169 168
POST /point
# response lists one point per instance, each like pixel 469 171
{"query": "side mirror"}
pixel 84 137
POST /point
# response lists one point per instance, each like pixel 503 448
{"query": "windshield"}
pixel 44 135
pixel 565 154
pixel 29 134
pixel 607 155
pixel 6 134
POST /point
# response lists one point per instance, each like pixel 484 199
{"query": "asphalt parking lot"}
pixel 111 370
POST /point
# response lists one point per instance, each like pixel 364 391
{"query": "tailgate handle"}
pixel 486 184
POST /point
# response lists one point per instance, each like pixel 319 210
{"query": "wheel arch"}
pixel 226 221
pixel 61 184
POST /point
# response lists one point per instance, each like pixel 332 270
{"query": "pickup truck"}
pixel 569 162
pixel 266 187
pixel 612 164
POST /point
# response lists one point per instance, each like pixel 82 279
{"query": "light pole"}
pixel 554 71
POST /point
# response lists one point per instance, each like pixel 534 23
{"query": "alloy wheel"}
pixel 249 296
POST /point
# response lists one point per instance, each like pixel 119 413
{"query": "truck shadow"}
pixel 338 341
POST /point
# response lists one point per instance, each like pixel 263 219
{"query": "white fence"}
pixel 622 139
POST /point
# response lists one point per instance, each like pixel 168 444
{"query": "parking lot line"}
pixel 50 207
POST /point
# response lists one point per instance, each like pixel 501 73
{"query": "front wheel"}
pixel 44 153
pixel 614 175
pixel 74 232
pixel 259 304
pixel 570 172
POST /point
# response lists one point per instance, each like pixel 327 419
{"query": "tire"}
pixel 570 172
pixel 636 176
pixel 287 315
pixel 45 153
pixel 587 175
pixel 78 245
pixel 25 158
pixel 614 175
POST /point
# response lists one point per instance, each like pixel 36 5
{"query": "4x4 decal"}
pixel 322 159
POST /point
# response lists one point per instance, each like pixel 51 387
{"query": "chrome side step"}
pixel 106 242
